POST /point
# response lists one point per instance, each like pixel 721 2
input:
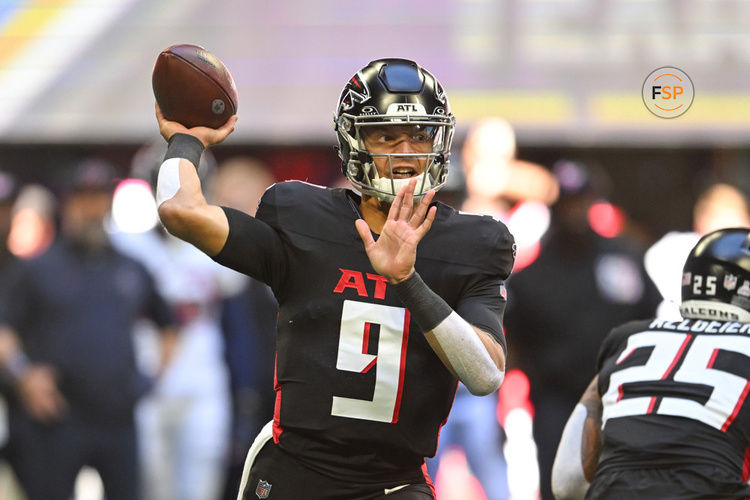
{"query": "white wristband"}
pixel 168 182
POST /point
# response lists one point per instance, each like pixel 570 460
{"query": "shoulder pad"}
pixel 470 239
pixel 309 209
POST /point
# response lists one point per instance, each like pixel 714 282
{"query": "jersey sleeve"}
pixel 484 306
pixel 614 341
pixel 483 302
pixel 253 246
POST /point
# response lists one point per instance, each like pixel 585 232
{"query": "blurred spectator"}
pixel 8 191
pixel 184 423
pixel 565 302
pixel 495 179
pixel 495 182
pixel 33 227
pixel 67 345
pixel 719 206
pixel 249 323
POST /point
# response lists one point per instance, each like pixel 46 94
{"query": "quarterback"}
pixel 386 298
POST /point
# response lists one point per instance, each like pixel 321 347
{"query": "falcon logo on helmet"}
pixel 397 93
pixel 355 92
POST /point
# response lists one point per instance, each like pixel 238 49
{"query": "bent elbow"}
pixel 174 216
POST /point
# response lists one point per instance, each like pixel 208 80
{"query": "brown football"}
pixel 193 87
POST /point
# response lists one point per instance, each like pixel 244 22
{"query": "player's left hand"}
pixel 394 253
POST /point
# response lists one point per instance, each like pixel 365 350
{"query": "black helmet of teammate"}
pixel 716 277
pixel 393 92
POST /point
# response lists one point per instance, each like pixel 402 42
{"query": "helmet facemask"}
pixel 361 170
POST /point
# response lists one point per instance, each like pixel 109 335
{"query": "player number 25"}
pixel 710 285
pixel 356 321
pixel 728 390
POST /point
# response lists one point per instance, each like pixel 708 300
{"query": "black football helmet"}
pixel 716 277
pixel 393 92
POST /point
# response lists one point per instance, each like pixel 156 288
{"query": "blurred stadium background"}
pixel 75 81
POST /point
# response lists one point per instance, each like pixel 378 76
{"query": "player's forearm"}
pixel 591 442
pixel 178 195
pixel 454 340
pixel 578 452
pixel 182 208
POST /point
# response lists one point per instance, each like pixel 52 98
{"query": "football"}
pixel 193 87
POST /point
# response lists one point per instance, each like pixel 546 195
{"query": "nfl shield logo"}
pixel 263 489
pixel 730 282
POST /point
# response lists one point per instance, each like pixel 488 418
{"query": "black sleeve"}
pixel 483 299
pixel 613 342
pixel 483 306
pixel 254 248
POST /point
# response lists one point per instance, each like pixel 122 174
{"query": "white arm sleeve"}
pixel 568 479
pixel 467 355
pixel 168 182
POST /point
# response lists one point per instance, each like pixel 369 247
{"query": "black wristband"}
pixel 426 307
pixel 185 146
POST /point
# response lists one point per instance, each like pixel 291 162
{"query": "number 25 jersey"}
pixel 674 394
pixel 357 384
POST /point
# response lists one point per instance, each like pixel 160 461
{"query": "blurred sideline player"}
pixel 66 343
pixel 184 424
pixel 373 335
pixel 719 206
pixel 248 321
pixel 667 414
pixel 495 182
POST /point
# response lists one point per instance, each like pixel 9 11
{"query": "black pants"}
pixel 697 482
pixel 47 457
pixel 278 476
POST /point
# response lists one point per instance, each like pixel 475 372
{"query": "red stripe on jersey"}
pixel 277 429
pixel 402 370
pixel 651 405
pixel 366 338
pixel 746 465
pixel 713 359
pixel 619 393
pixel 677 357
pixel 428 479
pixel 365 348
pixel 625 355
pixel 737 407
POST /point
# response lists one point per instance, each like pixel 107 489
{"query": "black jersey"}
pixel 674 395
pixel 357 384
